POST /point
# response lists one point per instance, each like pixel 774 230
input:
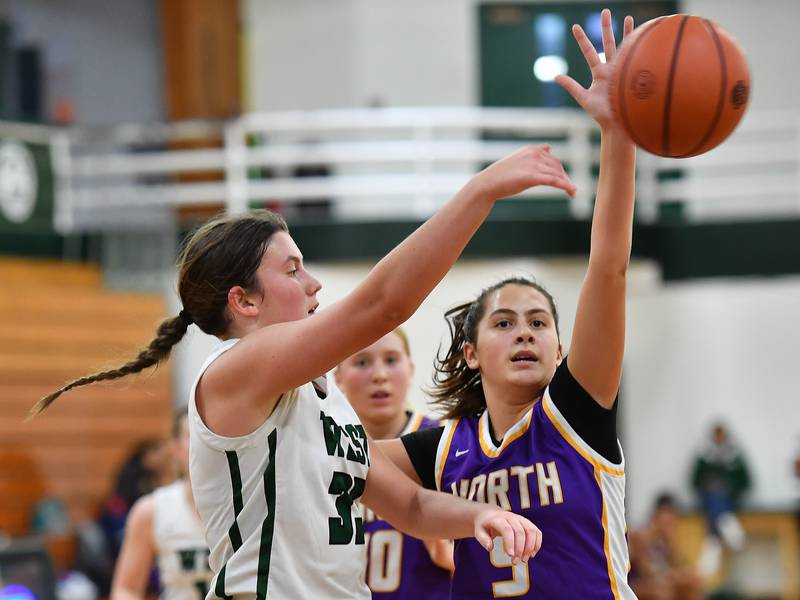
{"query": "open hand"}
pixel 595 100
pixel 521 538
pixel 526 168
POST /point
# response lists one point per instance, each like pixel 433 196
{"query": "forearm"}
pixel 437 515
pixel 612 223
pixel 426 515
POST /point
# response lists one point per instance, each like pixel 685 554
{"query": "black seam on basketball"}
pixel 724 84
pixel 668 100
pixel 623 79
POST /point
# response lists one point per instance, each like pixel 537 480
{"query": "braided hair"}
pixel 223 253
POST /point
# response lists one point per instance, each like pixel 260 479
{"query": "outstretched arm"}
pixel 137 554
pixel 598 338
pixel 426 514
pixel 265 363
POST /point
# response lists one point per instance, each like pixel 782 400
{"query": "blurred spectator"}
pixel 151 465
pixel 720 478
pixel 148 467
pixel 657 571
pixel 49 517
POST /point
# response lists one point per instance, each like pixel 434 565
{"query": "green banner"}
pixel 26 188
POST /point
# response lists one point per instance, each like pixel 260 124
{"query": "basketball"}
pixel 681 85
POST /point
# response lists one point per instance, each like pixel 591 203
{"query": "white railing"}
pixel 390 163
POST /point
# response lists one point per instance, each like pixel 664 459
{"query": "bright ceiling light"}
pixel 547 67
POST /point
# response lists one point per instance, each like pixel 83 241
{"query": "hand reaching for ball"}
pixel 595 99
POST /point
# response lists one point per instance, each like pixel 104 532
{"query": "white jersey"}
pixel 279 505
pixel 180 545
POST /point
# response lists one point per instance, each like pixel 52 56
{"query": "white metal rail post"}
pixel 580 158
pixel 236 200
pixel 61 157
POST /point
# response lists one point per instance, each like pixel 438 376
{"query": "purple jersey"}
pixel 543 470
pixel 398 565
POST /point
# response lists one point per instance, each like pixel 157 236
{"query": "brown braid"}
pixel 169 333
pixel 223 253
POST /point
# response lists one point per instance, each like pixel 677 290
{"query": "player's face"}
pixel 517 343
pixel 376 380
pixel 289 292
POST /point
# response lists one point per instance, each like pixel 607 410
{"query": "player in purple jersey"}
pixel 534 431
pixel 376 381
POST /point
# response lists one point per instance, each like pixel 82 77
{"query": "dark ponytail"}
pixel 169 333
pixel 223 253
pixel 457 388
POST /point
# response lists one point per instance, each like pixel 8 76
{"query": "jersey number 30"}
pixel 347 490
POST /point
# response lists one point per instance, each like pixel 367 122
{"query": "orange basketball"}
pixel 681 85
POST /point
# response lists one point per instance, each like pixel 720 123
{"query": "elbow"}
pixel 394 311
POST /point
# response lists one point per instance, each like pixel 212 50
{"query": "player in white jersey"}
pixel 277 465
pixel 164 527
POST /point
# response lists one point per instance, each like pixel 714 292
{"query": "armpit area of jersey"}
pixel 596 425
pixel 421 448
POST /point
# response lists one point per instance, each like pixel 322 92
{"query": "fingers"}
pixel 484 539
pixel 551 172
pixel 506 531
pixel 627 26
pixel 609 43
pixel 520 541
pixel 533 541
pixel 572 87
pixel 562 183
pixel 586 46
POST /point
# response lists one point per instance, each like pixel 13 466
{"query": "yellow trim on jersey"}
pixel 546 400
pixel 416 422
pixel 487 445
pixel 606 547
pixel 446 452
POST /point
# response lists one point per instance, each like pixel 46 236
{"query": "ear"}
pixel 471 356
pixel 560 355
pixel 240 302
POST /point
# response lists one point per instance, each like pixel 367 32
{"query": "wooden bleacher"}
pixel 57 323
pixel 774 531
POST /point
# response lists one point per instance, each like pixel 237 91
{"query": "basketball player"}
pixel 531 430
pixel 277 464
pixel 164 527
pixel 376 381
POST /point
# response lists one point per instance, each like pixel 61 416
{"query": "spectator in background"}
pixel 720 478
pixel 657 570
pixel 150 466
pixel 99 542
pixel 164 528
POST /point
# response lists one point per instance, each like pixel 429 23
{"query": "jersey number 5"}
pixel 347 490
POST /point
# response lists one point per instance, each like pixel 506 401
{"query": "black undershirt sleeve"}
pixel 421 447
pixel 593 423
